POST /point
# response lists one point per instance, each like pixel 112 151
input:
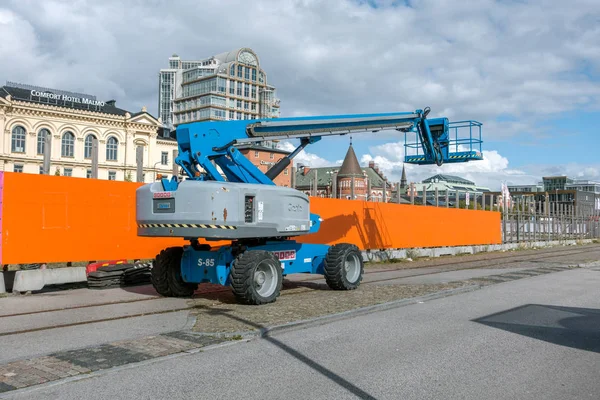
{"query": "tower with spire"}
pixel 351 179
pixel 403 179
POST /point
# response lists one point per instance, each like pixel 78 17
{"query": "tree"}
pixel 128 177
pixel 57 172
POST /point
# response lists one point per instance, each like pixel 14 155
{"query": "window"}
pixel 285 171
pixel 41 170
pixel 231 87
pixel 231 115
pixel 255 154
pixel 222 85
pixel 239 70
pixel 41 140
pixel 18 139
pixel 232 70
pixel 111 148
pixel 68 144
pixel 247 73
pixel 253 74
pixel 239 89
pixel 18 168
pixel 164 158
pixel 68 172
pixel 246 90
pixel 89 140
pixel 271 156
pixel 88 173
pixel 112 176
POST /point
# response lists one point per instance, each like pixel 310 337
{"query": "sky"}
pixel 529 71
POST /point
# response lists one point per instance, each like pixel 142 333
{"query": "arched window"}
pixel 68 144
pixel 87 147
pixel 111 148
pixel 18 139
pixel 41 140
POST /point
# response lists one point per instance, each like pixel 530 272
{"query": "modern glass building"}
pixel 227 86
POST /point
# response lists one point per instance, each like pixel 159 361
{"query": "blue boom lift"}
pixel 242 205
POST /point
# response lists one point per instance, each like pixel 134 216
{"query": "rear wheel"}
pixel 166 274
pixel 256 277
pixel 344 267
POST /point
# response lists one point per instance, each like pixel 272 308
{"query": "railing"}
pixel 463 144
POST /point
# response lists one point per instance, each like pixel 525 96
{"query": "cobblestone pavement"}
pixel 298 301
pixel 24 373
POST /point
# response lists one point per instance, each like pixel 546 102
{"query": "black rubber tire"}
pixel 177 286
pixel 158 275
pixel 335 259
pixel 242 273
pixel 166 274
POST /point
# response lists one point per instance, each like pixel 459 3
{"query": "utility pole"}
pixel 94 158
pixel 139 161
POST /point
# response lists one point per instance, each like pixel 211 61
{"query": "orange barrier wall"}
pixel 61 219
pixel 372 225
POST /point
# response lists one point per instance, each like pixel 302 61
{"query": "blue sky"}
pixel 528 70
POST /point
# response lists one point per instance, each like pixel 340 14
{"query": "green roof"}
pixel 449 179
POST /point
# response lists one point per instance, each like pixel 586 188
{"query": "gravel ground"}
pixel 218 312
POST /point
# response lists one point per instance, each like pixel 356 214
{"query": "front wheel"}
pixel 256 277
pixel 344 267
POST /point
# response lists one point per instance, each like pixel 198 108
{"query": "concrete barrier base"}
pixel 2 285
pixel 389 255
pixel 33 280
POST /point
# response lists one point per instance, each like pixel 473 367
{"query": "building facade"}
pixel 560 192
pixel 74 122
pixel 169 86
pixel 448 184
pixel 227 86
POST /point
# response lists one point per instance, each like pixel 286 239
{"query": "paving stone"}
pixel 102 357
pixel 6 387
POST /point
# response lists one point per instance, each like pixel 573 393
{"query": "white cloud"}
pixel 472 61
pixel 308 159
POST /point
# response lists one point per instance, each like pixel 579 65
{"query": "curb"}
pixel 592 264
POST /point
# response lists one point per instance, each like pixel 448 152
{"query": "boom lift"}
pixel 244 206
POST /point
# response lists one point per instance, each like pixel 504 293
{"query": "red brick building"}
pixel 264 156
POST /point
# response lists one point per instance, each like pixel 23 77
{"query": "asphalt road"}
pixel 526 339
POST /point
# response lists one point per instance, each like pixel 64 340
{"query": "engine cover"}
pixel 221 210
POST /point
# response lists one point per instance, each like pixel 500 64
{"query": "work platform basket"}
pixel 455 147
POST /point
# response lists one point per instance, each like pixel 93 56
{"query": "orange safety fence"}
pixel 47 219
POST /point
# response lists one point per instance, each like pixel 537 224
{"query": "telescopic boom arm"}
pixel 205 145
